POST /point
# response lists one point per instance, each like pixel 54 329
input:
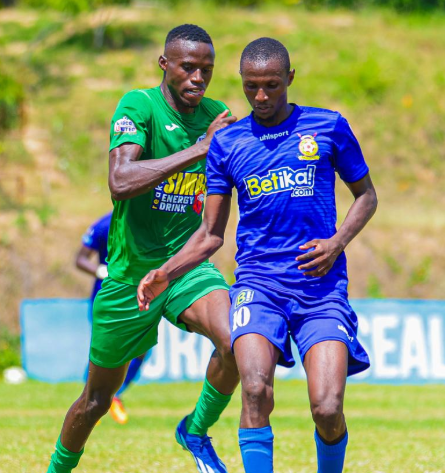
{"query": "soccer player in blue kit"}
pixel 291 280
pixel 91 258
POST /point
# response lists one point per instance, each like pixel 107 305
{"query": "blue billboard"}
pixel 405 340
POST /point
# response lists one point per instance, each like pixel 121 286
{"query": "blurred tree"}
pixel 76 7
pixel 11 100
pixel 73 7
pixel 7 3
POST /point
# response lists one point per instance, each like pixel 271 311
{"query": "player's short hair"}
pixel 188 32
pixel 263 49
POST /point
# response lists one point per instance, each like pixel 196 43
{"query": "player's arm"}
pixel 202 244
pixel 128 177
pixel 85 260
pixel 325 252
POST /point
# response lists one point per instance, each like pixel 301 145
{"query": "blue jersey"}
pixel 96 238
pixel 285 178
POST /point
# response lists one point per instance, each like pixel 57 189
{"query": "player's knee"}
pixel 258 394
pixel 225 351
pixel 96 408
pixel 327 414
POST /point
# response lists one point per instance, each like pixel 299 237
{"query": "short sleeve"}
pixel 90 238
pixel 223 107
pixel 348 157
pixel 218 182
pixel 130 120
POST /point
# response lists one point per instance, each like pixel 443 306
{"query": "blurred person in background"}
pixel 91 258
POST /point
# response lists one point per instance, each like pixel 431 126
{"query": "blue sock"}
pixel 257 449
pixel 131 373
pixel 330 457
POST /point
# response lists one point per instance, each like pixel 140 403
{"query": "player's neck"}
pixel 276 119
pixel 175 104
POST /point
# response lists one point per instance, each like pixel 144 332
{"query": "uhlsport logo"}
pixel 273 136
pixel 300 182
pixel 308 148
pixel 124 125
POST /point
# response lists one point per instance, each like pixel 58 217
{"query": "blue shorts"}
pixel 280 315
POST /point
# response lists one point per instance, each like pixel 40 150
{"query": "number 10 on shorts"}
pixel 241 318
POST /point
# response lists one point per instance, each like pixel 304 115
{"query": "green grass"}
pixel 393 429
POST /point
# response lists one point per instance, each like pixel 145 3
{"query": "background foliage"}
pixel 63 72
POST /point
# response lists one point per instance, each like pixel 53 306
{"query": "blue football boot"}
pixel 201 448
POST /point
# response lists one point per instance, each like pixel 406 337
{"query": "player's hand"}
pixel 155 282
pixel 322 257
pixel 221 121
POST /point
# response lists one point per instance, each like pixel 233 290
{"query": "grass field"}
pixel 393 429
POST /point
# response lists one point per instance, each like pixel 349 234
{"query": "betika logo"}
pixel 179 191
pixel 273 136
pixel 300 182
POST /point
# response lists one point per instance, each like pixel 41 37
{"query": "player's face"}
pixel 188 68
pixel 265 86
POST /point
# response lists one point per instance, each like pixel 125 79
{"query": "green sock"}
pixel 209 407
pixel 62 460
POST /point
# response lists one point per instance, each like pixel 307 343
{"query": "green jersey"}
pixel 147 230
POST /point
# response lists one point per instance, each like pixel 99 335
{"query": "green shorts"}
pixel 121 332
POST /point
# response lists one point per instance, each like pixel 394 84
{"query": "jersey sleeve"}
pixel 130 120
pixel 222 107
pixel 90 239
pixel 218 180
pixel 348 157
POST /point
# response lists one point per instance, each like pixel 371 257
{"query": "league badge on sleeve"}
pixel 308 148
pixel 125 126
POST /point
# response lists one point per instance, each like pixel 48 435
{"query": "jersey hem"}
pixel 123 279
pixel 109 365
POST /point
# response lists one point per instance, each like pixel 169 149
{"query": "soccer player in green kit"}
pixel 159 139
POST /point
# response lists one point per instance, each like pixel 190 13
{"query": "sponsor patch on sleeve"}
pixel 125 126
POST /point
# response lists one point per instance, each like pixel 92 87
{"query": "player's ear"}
pixel 163 62
pixel 290 77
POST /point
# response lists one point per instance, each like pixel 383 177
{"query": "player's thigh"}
pixel 120 331
pixel 199 302
pixel 326 366
pixel 256 309
pixel 209 315
pixel 315 320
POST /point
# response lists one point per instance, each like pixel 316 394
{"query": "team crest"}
pixel 308 148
